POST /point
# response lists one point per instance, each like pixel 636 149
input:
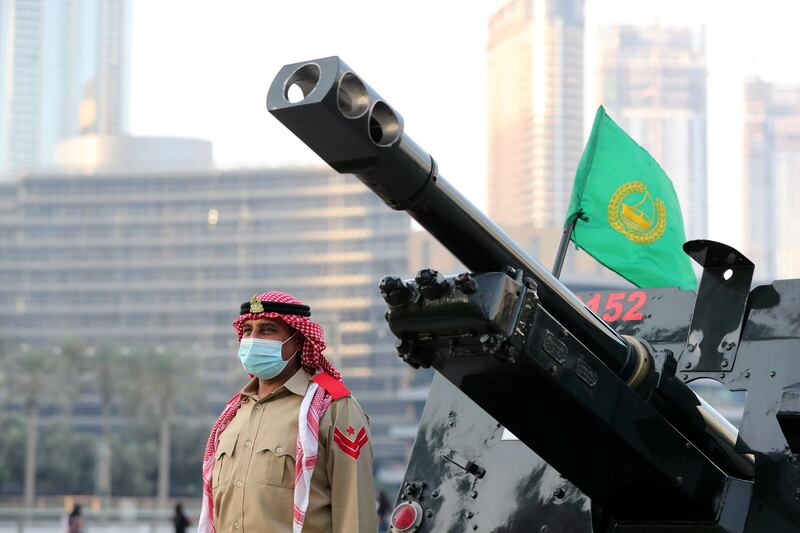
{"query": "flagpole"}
pixel 563 246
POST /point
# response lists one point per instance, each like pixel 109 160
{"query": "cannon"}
pixel 543 416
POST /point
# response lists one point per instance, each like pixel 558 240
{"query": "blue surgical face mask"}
pixel 263 357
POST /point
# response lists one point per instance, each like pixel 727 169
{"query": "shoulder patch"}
pixel 335 388
pixel 351 445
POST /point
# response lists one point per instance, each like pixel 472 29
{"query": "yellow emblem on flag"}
pixel 633 212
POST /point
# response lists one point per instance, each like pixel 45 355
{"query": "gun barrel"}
pixel 354 130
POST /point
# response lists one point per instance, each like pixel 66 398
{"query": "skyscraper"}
pixel 652 82
pixel 535 72
pixel 63 71
pixel 772 178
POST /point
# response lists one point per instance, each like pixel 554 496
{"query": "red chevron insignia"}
pixel 351 447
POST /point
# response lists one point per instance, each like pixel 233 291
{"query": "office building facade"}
pixel 535 110
pixel 166 258
pixel 771 178
pixel 652 82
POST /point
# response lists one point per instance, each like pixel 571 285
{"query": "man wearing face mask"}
pixel 291 451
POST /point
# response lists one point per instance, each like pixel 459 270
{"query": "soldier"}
pixel 291 451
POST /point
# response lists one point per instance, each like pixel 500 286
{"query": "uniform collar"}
pixel 297 384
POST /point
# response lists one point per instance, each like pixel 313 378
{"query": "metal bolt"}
pixel 724 363
pixel 474 494
pixel 688 445
pixel 679 479
pixel 435 494
pixel 772 374
pixel 684 377
pixel 474 527
pixel 469 514
pixel 747 375
pixel 687 365
pixel 691 347
pixel 559 493
pixel 722 376
pixel 428 513
pixel 544 529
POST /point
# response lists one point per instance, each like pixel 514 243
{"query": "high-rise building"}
pixel 167 257
pixel 535 121
pixel 652 82
pixel 772 178
pixel 63 71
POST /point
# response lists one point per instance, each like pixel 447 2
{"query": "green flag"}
pixel 628 215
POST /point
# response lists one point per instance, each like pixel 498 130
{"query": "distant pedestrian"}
pixel 384 508
pixel 180 521
pixel 75 522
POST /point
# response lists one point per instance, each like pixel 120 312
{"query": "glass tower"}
pixel 63 71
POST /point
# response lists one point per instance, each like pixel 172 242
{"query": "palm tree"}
pixel 107 361
pixel 162 379
pixel 70 362
pixel 30 370
pixel 5 379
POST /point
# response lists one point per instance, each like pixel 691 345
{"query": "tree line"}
pixel 100 419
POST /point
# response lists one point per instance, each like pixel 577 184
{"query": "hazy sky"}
pixel 202 69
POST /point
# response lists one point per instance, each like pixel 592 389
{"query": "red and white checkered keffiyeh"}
pixel 313 406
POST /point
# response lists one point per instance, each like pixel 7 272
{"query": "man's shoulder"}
pixel 336 388
pixel 348 407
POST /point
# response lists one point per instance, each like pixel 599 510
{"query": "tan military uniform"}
pixel 253 479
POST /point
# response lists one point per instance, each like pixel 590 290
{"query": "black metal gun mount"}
pixel 609 412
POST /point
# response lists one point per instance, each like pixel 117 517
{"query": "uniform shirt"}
pixel 253 478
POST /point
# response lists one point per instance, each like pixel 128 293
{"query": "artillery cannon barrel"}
pixel 644 436
pixel 355 131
